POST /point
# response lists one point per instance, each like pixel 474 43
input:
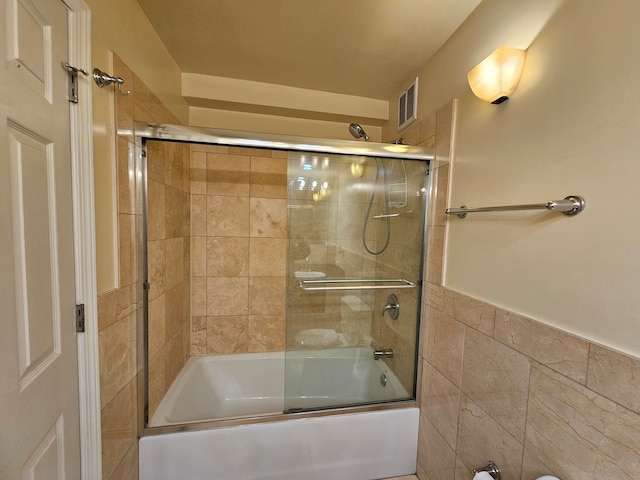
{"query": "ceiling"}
pixel 366 48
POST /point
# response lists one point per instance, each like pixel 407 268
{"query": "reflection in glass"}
pixel 351 220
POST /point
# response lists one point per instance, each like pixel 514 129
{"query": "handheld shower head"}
pixel 358 132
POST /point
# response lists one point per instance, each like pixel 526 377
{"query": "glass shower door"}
pixel 353 282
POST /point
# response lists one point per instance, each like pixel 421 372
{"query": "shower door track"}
pixel 185 134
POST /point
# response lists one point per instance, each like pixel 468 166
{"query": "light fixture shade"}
pixel 496 77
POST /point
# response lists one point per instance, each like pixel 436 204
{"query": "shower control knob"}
pixel 392 306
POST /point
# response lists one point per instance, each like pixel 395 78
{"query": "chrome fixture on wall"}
pixel 103 79
pixel 392 306
pixel 358 132
pixel 571 205
pixel 384 353
pixel 491 469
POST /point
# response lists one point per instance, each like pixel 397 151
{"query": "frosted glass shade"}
pixel 497 76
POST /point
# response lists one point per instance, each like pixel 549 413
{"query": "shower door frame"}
pixel 144 132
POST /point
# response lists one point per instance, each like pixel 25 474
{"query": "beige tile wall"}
pixel 118 312
pixel 169 263
pixel 497 385
pixel 239 249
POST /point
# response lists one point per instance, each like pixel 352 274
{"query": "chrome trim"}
pixel 392 215
pixel 491 468
pixel 234 422
pixel 175 133
pixel 384 353
pixel 392 306
pixel 178 133
pixel 347 284
pixel 571 205
pixel 103 79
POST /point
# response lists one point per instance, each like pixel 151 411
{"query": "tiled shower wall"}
pixel 402 259
pixel 118 309
pixel 168 264
pixel 239 244
pixel 496 385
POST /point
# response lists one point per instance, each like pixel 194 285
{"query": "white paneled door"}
pixel 39 419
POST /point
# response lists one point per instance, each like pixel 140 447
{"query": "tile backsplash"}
pixel 531 398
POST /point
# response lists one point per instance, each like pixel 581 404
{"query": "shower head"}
pixel 358 132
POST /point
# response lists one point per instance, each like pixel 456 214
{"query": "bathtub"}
pixel 351 446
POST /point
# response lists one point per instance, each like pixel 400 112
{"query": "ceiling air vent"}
pixel 408 105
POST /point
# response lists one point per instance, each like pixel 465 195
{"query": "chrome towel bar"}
pixel 392 215
pixel 571 205
pixel 355 284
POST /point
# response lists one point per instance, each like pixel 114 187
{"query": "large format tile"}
pixel 226 335
pixel 227 256
pixel 474 313
pixel 127 469
pixel 615 375
pixel 444 344
pixel 267 295
pixel 117 344
pixel 228 174
pixel 481 438
pixel 266 333
pixel 268 217
pixel 199 172
pixel 532 467
pixel 496 378
pixel 268 177
pixel 199 215
pixel 435 296
pixel 267 257
pixel 435 456
pixel 119 432
pixel 156 210
pixel 578 433
pixel 440 403
pixel 435 254
pixel 559 350
pixel 174 262
pixel 227 216
pixel 227 296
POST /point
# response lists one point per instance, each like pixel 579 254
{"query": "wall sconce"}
pixel 496 77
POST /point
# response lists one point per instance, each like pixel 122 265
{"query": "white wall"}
pixel 571 127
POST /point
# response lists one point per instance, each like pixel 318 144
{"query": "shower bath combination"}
pixel 288 281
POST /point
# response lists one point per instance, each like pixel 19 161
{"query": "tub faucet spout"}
pixel 384 353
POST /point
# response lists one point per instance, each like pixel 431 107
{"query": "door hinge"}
pixel 80 317
pixel 73 81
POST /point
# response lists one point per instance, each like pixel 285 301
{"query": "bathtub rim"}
pixel 280 417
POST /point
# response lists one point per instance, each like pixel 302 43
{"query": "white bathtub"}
pixel 230 386
pixel 355 446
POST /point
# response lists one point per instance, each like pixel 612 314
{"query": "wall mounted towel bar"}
pixel 355 284
pixel 392 215
pixel 571 205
